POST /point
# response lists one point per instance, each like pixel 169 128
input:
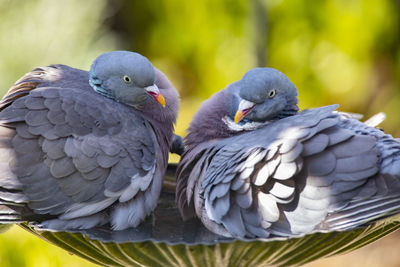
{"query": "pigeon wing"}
pixel 75 152
pixel 284 178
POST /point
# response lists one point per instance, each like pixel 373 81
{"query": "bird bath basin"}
pixel 165 240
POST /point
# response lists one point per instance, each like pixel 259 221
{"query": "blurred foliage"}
pixel 345 52
pixel 201 45
pixel 335 51
pixel 42 32
pixel 19 248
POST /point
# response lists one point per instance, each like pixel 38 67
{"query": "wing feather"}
pixel 286 178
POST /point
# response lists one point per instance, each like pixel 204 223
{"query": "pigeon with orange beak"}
pixel 255 167
pixel 81 149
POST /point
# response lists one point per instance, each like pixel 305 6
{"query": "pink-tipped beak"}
pixel 155 92
pixel 244 108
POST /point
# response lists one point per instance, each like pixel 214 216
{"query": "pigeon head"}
pixel 126 77
pixel 264 94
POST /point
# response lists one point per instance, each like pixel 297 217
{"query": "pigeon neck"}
pixel 163 118
pixel 207 123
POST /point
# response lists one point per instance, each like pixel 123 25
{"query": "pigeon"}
pixel 256 167
pixel 81 149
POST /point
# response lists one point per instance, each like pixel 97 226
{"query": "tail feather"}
pixel 13 208
pixel 362 212
pixel 375 120
pixel 17 213
pixel 10 213
pixel 12 196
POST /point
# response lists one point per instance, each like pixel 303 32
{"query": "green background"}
pixel 334 51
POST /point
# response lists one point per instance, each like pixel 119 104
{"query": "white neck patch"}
pixel 248 126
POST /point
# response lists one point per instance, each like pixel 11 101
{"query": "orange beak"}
pixel 239 116
pixel 160 99
pixel 155 92
pixel 244 108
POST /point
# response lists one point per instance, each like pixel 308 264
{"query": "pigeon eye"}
pixel 127 79
pixel 272 93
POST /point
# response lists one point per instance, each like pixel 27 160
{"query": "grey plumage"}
pixel 255 167
pixel 80 149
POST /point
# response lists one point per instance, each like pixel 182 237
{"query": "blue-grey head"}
pixel 126 77
pixel 264 94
